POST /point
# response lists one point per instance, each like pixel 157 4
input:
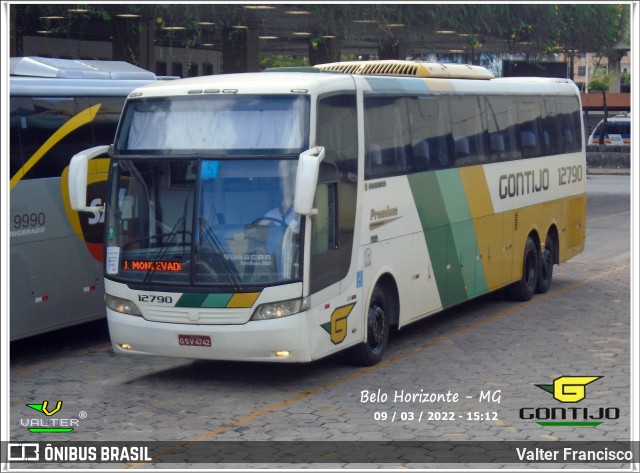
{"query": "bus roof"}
pixel 374 76
pixel 47 77
pixel 249 83
pixel 77 69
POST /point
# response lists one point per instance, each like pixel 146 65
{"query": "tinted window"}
pixel 431 140
pixel 387 137
pixel 45 120
pixel 336 193
pixel 468 128
pixel 529 112
pixel 570 124
pixel 501 124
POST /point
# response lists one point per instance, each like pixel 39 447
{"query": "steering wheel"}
pixel 271 219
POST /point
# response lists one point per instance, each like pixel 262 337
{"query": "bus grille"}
pixel 198 316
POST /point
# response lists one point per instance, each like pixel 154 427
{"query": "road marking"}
pixel 607 216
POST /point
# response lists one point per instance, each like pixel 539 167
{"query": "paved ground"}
pixel 478 366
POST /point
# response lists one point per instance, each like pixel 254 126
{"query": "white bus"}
pixel 285 216
pixel 59 107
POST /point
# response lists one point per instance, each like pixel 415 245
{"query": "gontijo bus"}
pixel 59 107
pixel 286 216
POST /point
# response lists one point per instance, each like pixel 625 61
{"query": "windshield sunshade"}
pixel 215 124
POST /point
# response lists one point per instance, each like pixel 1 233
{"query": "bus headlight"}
pixel 118 304
pixel 277 310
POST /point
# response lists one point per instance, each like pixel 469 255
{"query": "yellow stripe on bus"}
pixel 488 227
pixel 243 300
pixel 475 186
pixel 75 122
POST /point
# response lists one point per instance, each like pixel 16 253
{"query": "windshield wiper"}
pixel 230 269
pixel 178 229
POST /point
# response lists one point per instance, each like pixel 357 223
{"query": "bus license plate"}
pixel 195 340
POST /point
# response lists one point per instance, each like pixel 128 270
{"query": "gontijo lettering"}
pixel 521 183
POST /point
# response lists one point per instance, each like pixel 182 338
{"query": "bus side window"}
pixel 336 195
pixel 467 118
pixel 569 119
pixel 551 142
pixel 388 137
pixel 529 112
pixel 501 126
pixel 430 132
pixel 19 146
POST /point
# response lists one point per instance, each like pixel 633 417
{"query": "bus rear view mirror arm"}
pixel 78 168
pixel 307 180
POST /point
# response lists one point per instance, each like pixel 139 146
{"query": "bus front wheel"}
pixel 524 289
pixel 371 351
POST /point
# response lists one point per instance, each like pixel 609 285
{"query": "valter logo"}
pixel 569 389
pixel 50 424
pixel 43 407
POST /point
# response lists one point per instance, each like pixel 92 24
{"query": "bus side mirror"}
pixel 307 180
pixel 78 168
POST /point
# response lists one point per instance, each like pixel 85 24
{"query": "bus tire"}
pixel 524 289
pixel 371 351
pixel 547 258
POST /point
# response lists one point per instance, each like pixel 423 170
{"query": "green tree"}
pixel 591 28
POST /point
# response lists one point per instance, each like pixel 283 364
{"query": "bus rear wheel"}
pixel 524 289
pixel 371 351
pixel 547 258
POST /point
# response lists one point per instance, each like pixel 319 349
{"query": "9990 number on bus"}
pixel 28 220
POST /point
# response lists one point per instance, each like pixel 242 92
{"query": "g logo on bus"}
pixel 337 327
pixel 569 388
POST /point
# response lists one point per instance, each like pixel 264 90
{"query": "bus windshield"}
pixel 219 124
pixel 203 221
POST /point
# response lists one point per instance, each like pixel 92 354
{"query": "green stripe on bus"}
pixel 216 301
pixel 450 235
pixel 207 301
pixel 465 239
pixel 454 196
pixel 191 300
pixel 437 231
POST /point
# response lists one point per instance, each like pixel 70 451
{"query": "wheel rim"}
pixel 376 323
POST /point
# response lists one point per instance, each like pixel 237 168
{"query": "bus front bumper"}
pixel 277 340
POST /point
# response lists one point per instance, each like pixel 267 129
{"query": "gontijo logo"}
pixel 569 389
pixel 50 424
